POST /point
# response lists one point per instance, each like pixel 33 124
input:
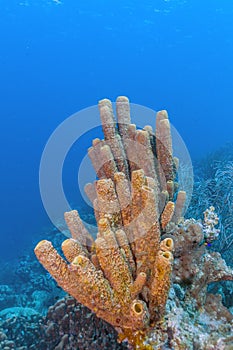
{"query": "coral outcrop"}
pixel 68 325
pixel 125 275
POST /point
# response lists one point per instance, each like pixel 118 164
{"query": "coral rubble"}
pixel 144 249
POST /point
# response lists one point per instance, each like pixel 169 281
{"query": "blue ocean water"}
pixel 58 57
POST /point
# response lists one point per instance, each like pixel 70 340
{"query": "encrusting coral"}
pixel 124 276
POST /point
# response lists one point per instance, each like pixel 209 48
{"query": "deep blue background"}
pixel 56 59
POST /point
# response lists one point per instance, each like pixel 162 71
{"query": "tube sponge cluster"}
pixel 143 244
pixel 123 275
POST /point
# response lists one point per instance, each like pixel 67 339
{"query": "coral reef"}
pixel 214 180
pixel 24 282
pixel 22 332
pixel 71 326
pixel 7 296
pixel 68 325
pixel 125 275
